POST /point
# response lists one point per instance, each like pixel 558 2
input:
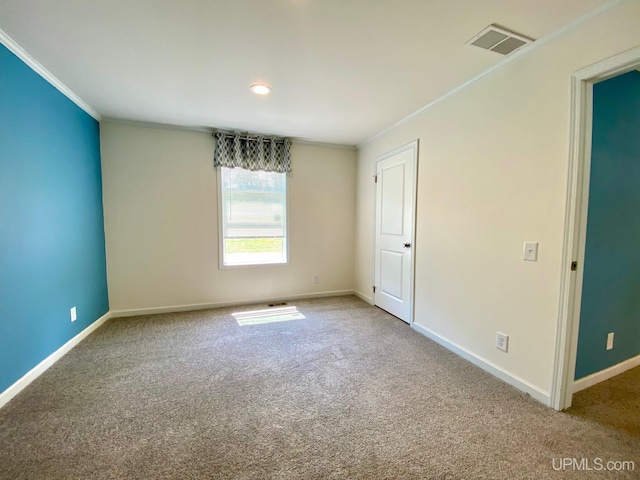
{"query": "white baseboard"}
pixel 606 374
pixel 205 306
pixel 493 369
pixel 364 297
pixel 39 369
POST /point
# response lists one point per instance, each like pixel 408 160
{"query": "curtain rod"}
pixel 248 136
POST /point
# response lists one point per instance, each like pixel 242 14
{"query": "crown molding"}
pixel 303 141
pixel 22 54
pixel 510 58
pixel 210 130
pixel 146 124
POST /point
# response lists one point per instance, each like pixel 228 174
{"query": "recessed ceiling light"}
pixel 260 88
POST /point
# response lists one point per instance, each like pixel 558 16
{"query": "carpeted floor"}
pixel 614 403
pixel 347 392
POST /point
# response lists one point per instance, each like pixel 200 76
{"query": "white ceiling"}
pixel 341 70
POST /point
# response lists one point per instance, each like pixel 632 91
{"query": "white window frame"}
pixel 287 243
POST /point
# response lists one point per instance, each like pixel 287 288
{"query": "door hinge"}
pixel 574 266
pixel 374 289
pixel 375 179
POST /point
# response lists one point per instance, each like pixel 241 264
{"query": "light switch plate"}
pixel 530 252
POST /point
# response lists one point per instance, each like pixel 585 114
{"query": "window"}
pixel 253 216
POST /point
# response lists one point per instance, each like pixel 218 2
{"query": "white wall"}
pixel 160 202
pixel 492 174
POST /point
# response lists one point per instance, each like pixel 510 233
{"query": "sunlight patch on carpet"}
pixel 270 315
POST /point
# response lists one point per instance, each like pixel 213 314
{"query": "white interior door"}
pixel 395 218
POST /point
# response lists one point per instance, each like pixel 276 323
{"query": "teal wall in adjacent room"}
pixel 611 288
pixel 52 253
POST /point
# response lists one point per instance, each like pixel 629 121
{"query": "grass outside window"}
pixel 253 245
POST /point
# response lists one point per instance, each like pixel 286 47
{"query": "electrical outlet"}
pixel 502 342
pixel 316 278
pixel 74 314
pixel 610 341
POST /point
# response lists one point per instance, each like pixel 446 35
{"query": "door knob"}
pixel 407 245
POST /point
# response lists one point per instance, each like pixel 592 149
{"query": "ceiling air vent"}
pixel 499 40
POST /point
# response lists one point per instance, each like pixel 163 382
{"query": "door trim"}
pixel 414 144
pixel 575 222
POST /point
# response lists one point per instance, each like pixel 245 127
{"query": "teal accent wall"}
pixel 611 288
pixel 52 253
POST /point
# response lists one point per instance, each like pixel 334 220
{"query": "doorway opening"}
pixel 575 233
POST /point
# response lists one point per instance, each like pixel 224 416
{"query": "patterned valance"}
pixel 252 152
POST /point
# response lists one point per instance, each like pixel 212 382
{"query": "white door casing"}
pixel 394 230
pixel 575 228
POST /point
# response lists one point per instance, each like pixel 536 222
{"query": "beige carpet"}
pixel 614 403
pixel 347 392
